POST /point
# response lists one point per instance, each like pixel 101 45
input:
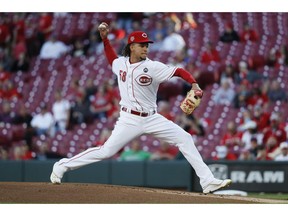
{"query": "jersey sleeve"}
pixel 163 72
pixel 180 72
pixel 109 51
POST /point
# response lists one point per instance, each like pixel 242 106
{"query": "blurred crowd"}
pixel 258 135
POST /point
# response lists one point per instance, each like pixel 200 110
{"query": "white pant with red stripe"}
pixel 130 126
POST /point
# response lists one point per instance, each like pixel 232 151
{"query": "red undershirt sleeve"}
pixel 180 72
pixel 109 51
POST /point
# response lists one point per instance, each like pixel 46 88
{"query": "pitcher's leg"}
pixel 170 132
pixel 122 134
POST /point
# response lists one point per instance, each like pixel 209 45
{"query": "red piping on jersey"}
pixel 133 84
pixel 180 72
pixel 109 51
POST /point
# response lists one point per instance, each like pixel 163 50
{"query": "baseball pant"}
pixel 128 127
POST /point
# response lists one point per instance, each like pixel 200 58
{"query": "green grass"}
pixel 276 196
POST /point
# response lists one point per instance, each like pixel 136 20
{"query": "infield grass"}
pixel 276 196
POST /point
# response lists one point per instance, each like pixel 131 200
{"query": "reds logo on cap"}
pixel 138 37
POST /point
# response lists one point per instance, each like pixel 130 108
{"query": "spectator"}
pixel 282 55
pixel 4 75
pixel 44 28
pixel 262 154
pixel 173 41
pixel 275 129
pixel 271 59
pixel 18 48
pixel 80 110
pixel 254 147
pixel 231 137
pixel 222 153
pixel 246 117
pixel 228 73
pixel 3 154
pixel 113 98
pixel 43 122
pixel 248 33
pixel 225 94
pixel 10 92
pixel 44 153
pixel 19 27
pixel 164 109
pixel 92 45
pixel 271 146
pixel 22 152
pixel 21 64
pixel 116 33
pixel 124 21
pixel 283 156
pixel 135 153
pixel 74 90
pixel 137 25
pixel 158 34
pixel 23 117
pixel 100 103
pixel 90 89
pixel 245 155
pixel 193 69
pixel 104 135
pixel 257 96
pixel 53 48
pixel 61 109
pixel 246 75
pixel 165 152
pixel 210 54
pixel 229 35
pixel 6 114
pixel 242 93
pixel 5 34
pixel 180 58
pixel 276 93
pixel 261 117
pixel 277 57
pixel 250 132
pixel 78 48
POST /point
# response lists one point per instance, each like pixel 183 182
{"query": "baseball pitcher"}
pixel 138 79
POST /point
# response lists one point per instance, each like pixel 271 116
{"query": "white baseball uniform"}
pixel 138 84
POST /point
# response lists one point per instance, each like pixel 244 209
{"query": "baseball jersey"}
pixel 139 82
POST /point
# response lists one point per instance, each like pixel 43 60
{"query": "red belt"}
pixel 134 112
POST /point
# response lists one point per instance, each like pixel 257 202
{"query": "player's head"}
pixel 138 37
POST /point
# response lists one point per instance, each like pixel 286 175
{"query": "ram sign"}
pixel 252 177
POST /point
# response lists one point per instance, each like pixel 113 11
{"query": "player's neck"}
pixel 133 59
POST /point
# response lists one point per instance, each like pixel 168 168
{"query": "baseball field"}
pixel 76 193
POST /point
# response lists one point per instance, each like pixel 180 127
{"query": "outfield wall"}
pixel 247 176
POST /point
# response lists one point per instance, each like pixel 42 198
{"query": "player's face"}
pixel 139 51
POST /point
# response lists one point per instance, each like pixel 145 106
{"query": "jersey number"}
pixel 123 75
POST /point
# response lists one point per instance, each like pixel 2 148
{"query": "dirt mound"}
pixel 31 192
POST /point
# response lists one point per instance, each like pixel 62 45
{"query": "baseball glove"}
pixel 191 101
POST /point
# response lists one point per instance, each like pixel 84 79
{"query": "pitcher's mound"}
pixel 31 192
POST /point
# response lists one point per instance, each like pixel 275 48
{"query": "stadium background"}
pixel 39 83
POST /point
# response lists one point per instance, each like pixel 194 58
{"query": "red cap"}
pixel 138 37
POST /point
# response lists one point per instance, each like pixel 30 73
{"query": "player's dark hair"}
pixel 127 51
